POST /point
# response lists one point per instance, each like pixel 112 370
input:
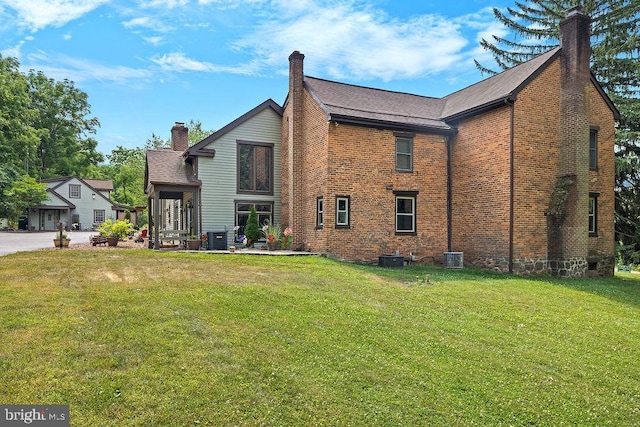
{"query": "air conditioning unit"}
pixel 453 260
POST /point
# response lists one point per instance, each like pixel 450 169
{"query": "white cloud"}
pixel 38 14
pixel 78 70
pixel 179 62
pixel 147 22
pixel 343 41
pixel 156 40
pixel 165 4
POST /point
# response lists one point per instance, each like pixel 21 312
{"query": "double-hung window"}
pixel 342 211
pixel 255 168
pixel 593 149
pixel 405 212
pixel 74 191
pixel 98 216
pixel 319 212
pixel 404 153
pixel 593 214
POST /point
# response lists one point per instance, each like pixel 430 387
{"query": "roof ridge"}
pixel 371 88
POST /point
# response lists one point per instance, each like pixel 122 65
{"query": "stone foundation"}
pixel 576 267
pixel 572 267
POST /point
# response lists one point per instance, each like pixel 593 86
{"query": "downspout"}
pixel 447 141
pixel 510 102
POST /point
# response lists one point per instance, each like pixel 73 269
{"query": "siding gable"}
pixel 218 173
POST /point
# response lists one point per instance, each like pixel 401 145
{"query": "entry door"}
pixel 49 219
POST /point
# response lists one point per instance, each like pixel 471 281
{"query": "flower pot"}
pixel 194 245
pixel 273 245
pixel 65 243
pixel 112 241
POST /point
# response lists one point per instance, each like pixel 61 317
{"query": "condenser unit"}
pixel 453 260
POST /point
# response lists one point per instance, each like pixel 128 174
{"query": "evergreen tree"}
pixel 252 229
pixel 615 42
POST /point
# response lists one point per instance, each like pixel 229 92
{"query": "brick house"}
pixel 516 171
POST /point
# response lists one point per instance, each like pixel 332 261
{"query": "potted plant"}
pixel 61 240
pixel 115 230
pixel 193 243
pixel 273 233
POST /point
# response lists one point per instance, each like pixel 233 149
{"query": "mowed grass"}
pixel 148 338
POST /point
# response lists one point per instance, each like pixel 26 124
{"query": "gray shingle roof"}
pixel 344 102
pixel 169 167
pixel 100 184
pixel 341 100
pixel 496 88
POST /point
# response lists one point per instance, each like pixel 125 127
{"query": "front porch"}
pixel 174 215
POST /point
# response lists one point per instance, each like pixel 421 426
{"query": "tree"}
pixel 8 174
pixel 126 169
pixel 196 133
pixel 22 194
pixel 18 138
pixel 63 127
pixel 615 60
pixel 252 229
pixel 155 143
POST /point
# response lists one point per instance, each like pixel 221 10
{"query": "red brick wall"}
pixel 315 169
pixel 344 160
pixel 362 166
pixel 480 187
pixel 536 139
pixel 601 181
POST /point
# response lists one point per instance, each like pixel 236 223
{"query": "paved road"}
pixel 18 241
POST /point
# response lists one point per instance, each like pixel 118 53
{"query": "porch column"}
pixel 156 215
pixel 195 217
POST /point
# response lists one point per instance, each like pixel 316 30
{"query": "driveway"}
pixel 18 241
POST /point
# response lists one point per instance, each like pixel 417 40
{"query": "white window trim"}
pixel 319 212
pixel 95 216
pixel 345 211
pixel 412 214
pixel 79 188
pixel 593 213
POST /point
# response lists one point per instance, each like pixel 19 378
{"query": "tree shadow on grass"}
pixel 623 287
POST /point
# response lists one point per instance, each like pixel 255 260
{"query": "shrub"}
pixel 120 228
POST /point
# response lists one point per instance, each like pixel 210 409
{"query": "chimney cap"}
pixel 296 55
pixel 575 10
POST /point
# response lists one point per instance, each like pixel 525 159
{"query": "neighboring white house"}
pixel 81 204
pixel 211 186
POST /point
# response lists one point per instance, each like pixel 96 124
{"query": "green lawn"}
pixel 148 338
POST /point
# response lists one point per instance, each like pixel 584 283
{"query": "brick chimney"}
pixel 567 216
pixel 293 213
pixel 179 137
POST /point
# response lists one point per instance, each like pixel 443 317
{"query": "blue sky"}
pixel 146 64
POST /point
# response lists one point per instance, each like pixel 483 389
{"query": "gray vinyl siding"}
pixel 218 174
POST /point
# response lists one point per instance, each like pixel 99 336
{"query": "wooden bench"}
pixel 626 268
pixel 98 240
pixel 172 236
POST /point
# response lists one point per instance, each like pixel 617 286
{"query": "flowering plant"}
pixel 271 231
pixel 287 238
